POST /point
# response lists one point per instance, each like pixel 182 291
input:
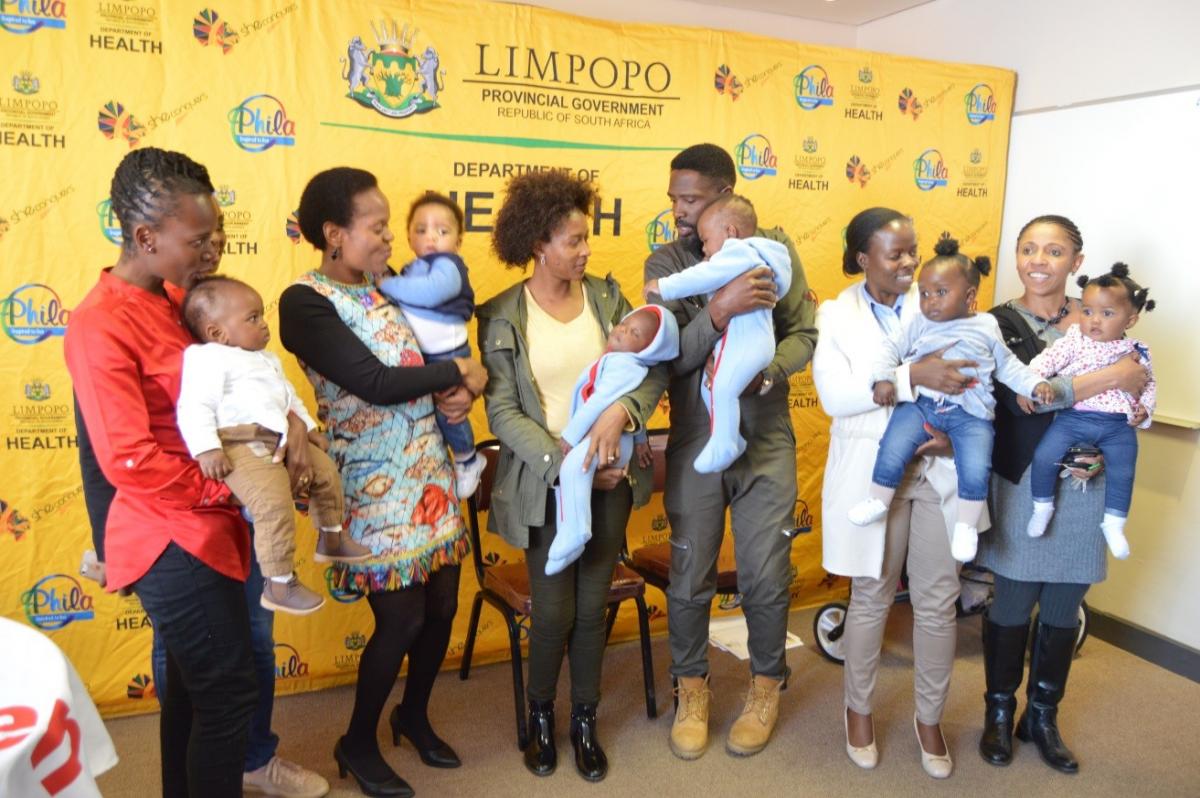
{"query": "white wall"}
pixel 682 12
pixel 1069 51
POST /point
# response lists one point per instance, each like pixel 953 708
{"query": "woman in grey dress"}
pixel 1056 570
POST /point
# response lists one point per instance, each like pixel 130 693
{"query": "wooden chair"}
pixel 506 587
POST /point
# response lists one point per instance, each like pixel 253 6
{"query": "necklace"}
pixel 1050 322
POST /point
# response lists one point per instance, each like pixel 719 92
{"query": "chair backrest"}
pixel 481 501
pixel 658 447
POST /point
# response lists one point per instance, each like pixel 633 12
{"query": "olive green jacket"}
pixel 529 456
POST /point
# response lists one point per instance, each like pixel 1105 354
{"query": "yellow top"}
pixel 558 354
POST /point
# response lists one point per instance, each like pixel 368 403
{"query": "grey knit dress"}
pixel 1073 549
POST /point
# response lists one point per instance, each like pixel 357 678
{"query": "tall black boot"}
pixel 590 760
pixel 1003 666
pixel 541 757
pixel 1053 648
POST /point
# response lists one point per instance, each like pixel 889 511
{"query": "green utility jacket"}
pixel 529 456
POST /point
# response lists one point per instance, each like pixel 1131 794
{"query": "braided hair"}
pixel 1066 224
pixel 974 269
pixel 1118 275
pixel 858 235
pixel 147 185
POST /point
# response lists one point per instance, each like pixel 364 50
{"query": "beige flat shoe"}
pixel 939 766
pixel 866 757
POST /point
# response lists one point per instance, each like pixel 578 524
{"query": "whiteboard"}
pixel 1127 172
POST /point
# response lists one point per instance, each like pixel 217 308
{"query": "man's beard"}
pixel 693 244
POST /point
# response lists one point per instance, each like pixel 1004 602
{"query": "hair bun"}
pixel 983 265
pixel 1120 270
pixel 946 245
pixel 1149 305
pixel 1082 281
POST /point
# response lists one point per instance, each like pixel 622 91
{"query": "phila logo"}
pixel 340 592
pixel 27 16
pixel 393 80
pixel 661 230
pixel 32 313
pixel 55 601
pixel 980 104
pixel 812 88
pixel 755 158
pixel 110 225
pixel 929 170
pixel 210 29
pixel 261 122
pixel 114 123
pixel 288 664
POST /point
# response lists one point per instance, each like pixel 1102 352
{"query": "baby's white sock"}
pixel 1113 527
pixel 1042 513
pixel 283 580
pixel 964 543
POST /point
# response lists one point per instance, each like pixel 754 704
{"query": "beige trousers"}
pixel 916 529
pixel 265 489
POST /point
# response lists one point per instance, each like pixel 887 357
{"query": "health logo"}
pixel 909 104
pixel 208 28
pixel 27 16
pixel 32 313
pixel 110 225
pixel 725 82
pixel 755 158
pixel 12 522
pixel 37 390
pixel 392 80
pixel 857 171
pixel 260 122
pixel 292 227
pixel 929 170
pixel 55 601
pixel 980 104
pixel 661 230
pixel 812 87
pixel 113 121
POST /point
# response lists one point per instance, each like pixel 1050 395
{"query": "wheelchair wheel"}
pixel 828 626
pixel 1085 617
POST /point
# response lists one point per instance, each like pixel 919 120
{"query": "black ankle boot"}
pixel 1003 665
pixel 590 760
pixel 1053 648
pixel 541 757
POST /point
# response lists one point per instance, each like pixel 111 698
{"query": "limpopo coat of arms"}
pixel 393 80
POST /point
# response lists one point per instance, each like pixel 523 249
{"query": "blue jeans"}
pixel 262 742
pixel 200 616
pixel 971 436
pixel 1110 432
pixel 459 437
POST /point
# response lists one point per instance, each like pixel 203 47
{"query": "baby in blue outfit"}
pixel 726 229
pixel 644 338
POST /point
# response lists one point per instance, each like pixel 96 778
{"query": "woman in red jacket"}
pixel 172 536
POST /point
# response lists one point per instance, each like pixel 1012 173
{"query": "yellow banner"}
pixel 455 96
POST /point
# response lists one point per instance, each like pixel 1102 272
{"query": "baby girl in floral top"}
pixel 1111 305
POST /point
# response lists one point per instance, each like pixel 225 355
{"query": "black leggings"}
pixel 1057 602
pixel 414 621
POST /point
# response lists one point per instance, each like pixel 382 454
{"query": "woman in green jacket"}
pixel 535 339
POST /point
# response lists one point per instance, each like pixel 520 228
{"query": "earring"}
pixel 337 252
pixel 149 250
pixel 542 259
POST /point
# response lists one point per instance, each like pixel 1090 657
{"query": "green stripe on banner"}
pixel 537 144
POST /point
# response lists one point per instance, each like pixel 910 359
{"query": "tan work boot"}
pixel 751 731
pixel 338 546
pixel 290 596
pixel 689 733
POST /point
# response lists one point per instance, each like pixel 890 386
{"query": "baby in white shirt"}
pixel 233 408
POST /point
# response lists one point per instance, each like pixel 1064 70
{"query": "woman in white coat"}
pixel 881 246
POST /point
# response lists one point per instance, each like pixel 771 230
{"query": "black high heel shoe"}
pixel 437 755
pixel 391 787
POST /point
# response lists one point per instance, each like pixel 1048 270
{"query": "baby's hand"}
pixel 884 393
pixel 214 464
pixel 1140 414
pixel 1025 404
pixel 650 288
pixel 645 457
pixel 564 447
pixel 318 439
pixel 1044 393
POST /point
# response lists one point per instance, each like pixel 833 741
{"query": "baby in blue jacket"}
pixel 644 338
pixel 726 230
pixel 435 294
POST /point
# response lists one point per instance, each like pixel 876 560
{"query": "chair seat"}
pixel 656 560
pixel 510 581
